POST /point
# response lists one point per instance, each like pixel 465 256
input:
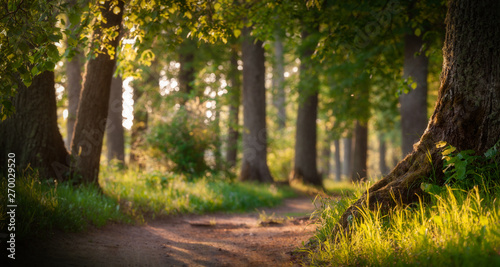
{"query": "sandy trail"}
pixel 216 239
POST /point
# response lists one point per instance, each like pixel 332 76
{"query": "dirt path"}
pixel 187 240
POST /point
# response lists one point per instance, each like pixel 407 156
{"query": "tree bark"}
pixel 254 164
pixel 234 107
pixel 382 155
pixel 347 166
pixel 279 100
pixel 114 128
pixel 73 87
pixel 338 163
pixel 32 133
pixel 139 127
pixel 414 104
pixel 359 171
pixel 466 113
pixel 305 165
pixel 94 101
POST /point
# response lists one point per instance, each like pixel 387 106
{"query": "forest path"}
pixel 216 239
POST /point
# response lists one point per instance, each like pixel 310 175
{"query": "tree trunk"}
pixel 32 133
pixel 94 101
pixel 382 155
pixel 347 166
pixel 338 164
pixel 466 113
pixel 139 127
pixel 414 104
pixel 359 168
pixel 254 164
pixel 74 87
pixel 114 129
pixel 326 155
pixel 305 167
pixel 186 71
pixel 234 107
pixel 279 100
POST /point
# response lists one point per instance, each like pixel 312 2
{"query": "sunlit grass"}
pixel 457 228
pixel 156 194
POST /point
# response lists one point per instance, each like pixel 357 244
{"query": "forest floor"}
pixel 265 237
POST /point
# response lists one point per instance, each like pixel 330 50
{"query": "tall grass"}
pixel 459 225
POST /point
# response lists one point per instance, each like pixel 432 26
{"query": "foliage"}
pixel 158 194
pixel 45 206
pixel 458 226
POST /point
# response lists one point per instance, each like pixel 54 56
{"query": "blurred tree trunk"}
pixel 186 71
pixel 305 166
pixel 414 104
pixel 279 100
pixel 326 155
pixel 466 113
pixel 382 155
pixel 234 108
pixel 359 171
pixel 338 163
pixel 32 133
pixel 73 87
pixel 114 129
pixel 139 126
pixel 254 164
pixel 347 164
pixel 94 101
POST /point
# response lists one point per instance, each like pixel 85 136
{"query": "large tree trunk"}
pixel 338 164
pixel 234 110
pixel 347 163
pixel 359 168
pixel 279 100
pixel 94 100
pixel 254 164
pixel 31 133
pixel 414 104
pixel 73 87
pixel 305 166
pixel 466 113
pixel 114 129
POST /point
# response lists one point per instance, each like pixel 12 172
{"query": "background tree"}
pixel 115 139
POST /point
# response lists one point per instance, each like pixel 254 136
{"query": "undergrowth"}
pixel 458 226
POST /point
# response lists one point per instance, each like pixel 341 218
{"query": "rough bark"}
pixel 32 133
pixel 74 87
pixel 347 166
pixel 360 156
pixel 305 165
pixel 382 150
pixel 94 101
pixel 114 129
pixel 338 163
pixel 414 104
pixel 279 100
pixel 234 108
pixel 466 113
pixel 254 164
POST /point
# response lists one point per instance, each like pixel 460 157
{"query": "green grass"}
pixel 157 194
pixel 456 228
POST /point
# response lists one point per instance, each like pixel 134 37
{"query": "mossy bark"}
pixel 467 111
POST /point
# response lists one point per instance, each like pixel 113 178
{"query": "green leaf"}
pixel 418 32
pixel 413 85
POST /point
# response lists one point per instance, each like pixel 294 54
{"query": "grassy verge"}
pixel 129 196
pixel 157 194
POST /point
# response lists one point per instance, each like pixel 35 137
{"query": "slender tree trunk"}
pixel 382 155
pixel 466 113
pixel 32 133
pixel 326 155
pixel 359 172
pixel 414 104
pixel 74 87
pixel 347 166
pixel 305 166
pixel 279 100
pixel 218 143
pixel 139 127
pixel 187 71
pixel 234 107
pixel 114 129
pixel 94 100
pixel 338 164
pixel 254 164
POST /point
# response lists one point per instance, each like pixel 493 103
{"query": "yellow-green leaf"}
pixel 418 32
pixel 237 33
